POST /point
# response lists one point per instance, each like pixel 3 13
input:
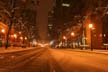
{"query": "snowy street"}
pixel 52 60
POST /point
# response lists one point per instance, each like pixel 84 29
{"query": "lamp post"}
pixel 91 27
pixel 65 43
pixel 15 37
pixel 3 36
pixel 72 34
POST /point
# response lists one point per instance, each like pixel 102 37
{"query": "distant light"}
pixel 19 32
pixel 107 12
pixel 65 5
pixel 25 38
pixel 52 42
pixel 21 38
pixel 3 31
pixel 100 35
pixel 90 25
pixel 104 35
pixel 50 25
pixel 64 37
pixel 72 34
pixel 34 42
pixel 43 45
pixel 15 35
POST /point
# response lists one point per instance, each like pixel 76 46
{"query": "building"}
pixel 105 29
pixel 69 13
pixel 56 20
pixel 44 7
pixel 98 17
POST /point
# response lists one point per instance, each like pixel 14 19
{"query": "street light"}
pixel 65 38
pixel 72 34
pixel 91 27
pixel 4 35
pixel 20 32
pixel 21 38
pixel 25 38
pixel 3 30
pixel 15 36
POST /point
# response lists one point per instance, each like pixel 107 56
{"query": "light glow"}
pixel 90 25
pixel 3 30
pixel 72 34
pixel 15 35
pixel 66 5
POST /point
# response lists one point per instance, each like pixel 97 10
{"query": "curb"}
pixel 13 51
pixel 90 52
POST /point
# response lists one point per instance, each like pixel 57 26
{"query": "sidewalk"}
pixel 97 51
pixel 13 49
pixel 94 51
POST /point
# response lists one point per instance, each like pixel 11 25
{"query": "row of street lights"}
pixel 13 36
pixel 73 34
pixel 65 38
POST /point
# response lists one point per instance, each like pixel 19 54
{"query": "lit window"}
pixel 65 4
pixel 104 35
pixel 50 25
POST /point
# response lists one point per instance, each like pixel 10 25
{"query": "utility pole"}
pixel 12 2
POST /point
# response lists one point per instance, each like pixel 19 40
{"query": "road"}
pixel 53 60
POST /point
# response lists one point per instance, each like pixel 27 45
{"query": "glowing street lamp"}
pixel 20 32
pixel 25 38
pixel 65 42
pixel 3 30
pixel 21 38
pixel 4 35
pixel 15 38
pixel 72 34
pixel 15 35
pixel 91 27
pixel 64 37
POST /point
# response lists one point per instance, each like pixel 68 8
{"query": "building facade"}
pixel 70 13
